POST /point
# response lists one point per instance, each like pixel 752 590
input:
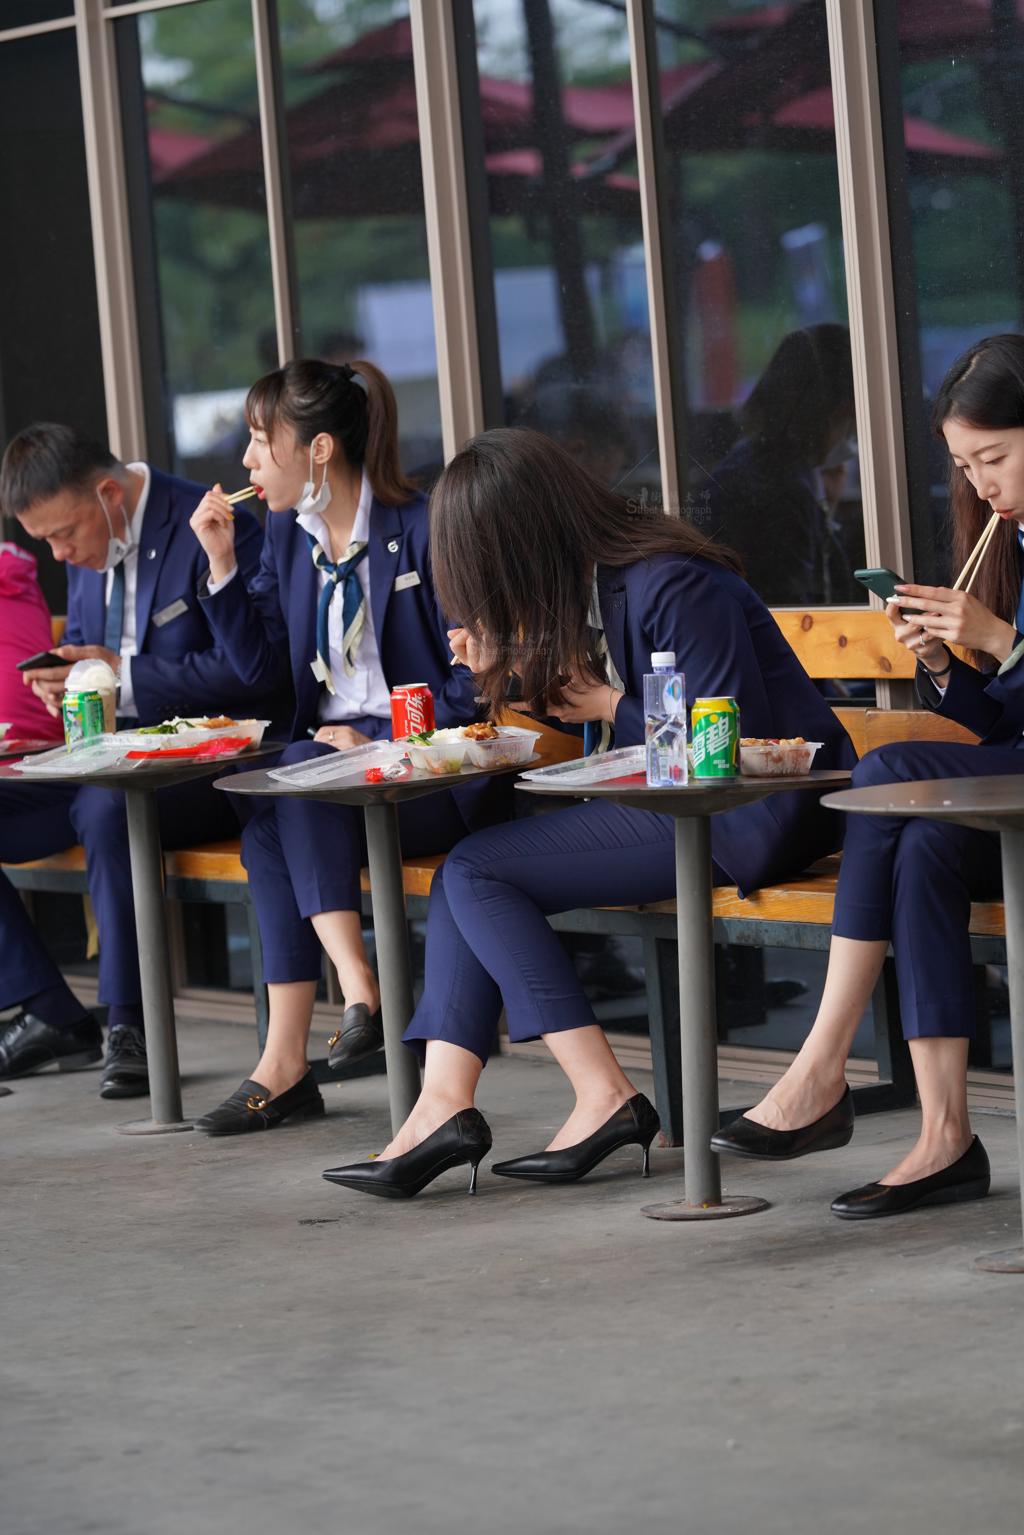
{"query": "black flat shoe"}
pixel 359 1036
pixel 969 1177
pixel 125 1070
pixel 466 1137
pixel 743 1138
pixel 634 1124
pixel 251 1107
pixel 28 1045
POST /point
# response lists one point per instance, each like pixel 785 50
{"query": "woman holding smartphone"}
pixel 572 592
pixel 911 882
pixel 344 603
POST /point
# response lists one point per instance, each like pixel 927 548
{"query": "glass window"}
pixel 564 326
pixel 25 13
pixel 955 153
pixel 203 278
pixel 357 194
pixel 752 204
pixel 50 363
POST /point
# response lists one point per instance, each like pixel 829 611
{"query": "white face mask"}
pixel 314 501
pixel 117 548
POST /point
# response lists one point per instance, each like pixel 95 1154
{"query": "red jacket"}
pixel 24 631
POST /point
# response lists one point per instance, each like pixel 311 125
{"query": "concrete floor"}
pixel 204 1336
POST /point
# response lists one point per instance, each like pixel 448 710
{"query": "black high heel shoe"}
pixel 466 1137
pixel 634 1124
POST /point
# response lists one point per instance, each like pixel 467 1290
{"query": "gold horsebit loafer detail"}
pixel 254 1104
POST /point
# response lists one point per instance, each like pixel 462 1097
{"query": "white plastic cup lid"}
pixel 663 658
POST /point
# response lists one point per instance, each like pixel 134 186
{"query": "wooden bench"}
pixel 833 643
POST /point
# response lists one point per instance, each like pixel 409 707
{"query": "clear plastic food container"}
pixel 437 757
pixel 769 759
pixel 509 748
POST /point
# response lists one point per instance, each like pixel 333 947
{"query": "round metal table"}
pixel 988 804
pixel 691 807
pixel 379 804
pixel 139 786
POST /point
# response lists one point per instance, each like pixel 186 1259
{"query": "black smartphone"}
pixel 883 582
pixel 44 658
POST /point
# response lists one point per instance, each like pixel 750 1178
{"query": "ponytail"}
pixel 313 397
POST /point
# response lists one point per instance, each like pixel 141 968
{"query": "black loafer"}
pixel 126 1070
pixel 744 1138
pixel 28 1045
pixel 359 1036
pixel 251 1107
pixel 969 1177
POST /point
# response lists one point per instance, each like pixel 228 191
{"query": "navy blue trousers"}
pixel 487 938
pixel 912 882
pixel 37 820
pixel 304 857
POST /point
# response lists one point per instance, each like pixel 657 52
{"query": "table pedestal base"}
pixel 1009 1261
pixel 152 1127
pixel 680 1210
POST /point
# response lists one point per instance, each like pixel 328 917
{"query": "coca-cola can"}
pixel 412 710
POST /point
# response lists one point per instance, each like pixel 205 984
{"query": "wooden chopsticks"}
pixel 976 555
pixel 243 495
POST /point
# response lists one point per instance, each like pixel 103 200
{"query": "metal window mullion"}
pixel 108 204
pixel 276 173
pixel 37 29
pixel 447 220
pixel 140 7
pixel 658 264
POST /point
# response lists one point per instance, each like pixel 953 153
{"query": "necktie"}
pixel 353 612
pixel 114 627
pixel 598 735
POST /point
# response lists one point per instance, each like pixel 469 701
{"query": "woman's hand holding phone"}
pixel 213 523
pixel 909 631
pixel 949 617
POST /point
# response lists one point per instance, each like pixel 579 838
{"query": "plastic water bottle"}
pixel 665 722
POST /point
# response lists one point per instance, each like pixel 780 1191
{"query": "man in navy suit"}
pixel 133 575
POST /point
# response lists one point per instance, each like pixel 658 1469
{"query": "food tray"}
pixel 598 768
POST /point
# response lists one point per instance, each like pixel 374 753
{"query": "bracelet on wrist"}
pixel 943 671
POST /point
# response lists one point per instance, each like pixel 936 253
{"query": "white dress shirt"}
pixel 129 634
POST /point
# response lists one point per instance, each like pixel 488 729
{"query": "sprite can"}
pixel 715 733
pixel 83 716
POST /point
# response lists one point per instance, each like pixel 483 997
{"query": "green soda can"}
pixel 715 732
pixel 83 716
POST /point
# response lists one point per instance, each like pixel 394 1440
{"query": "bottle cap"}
pixel 663 658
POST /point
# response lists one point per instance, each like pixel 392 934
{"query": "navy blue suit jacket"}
pixel 728 644
pixel 180 668
pixel 985 702
pixel 269 626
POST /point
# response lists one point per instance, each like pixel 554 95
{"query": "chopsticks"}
pixel 243 495
pixel 976 555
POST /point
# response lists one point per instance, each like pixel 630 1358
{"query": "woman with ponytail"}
pixel 910 883
pixel 344 601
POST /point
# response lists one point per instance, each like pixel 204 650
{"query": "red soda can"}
pixel 412 710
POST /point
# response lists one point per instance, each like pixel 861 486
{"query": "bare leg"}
pixel 450 1076
pixel 940 1066
pixel 283 1062
pixel 341 934
pixel 596 1077
pixel 815 1080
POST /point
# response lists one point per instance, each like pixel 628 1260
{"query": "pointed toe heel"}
pixel 463 1139
pixel 635 1123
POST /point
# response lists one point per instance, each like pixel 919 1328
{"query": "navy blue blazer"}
pixel 269 626
pixel 985 702
pixel 180 668
pixel 728 644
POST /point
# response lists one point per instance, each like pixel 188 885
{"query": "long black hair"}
pixel 985 389
pixel 313 397
pixel 516 529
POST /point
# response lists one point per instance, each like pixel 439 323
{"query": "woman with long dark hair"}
pixel 911 882
pixel 560 584
pixel 345 604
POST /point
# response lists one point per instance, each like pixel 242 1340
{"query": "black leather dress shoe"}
pixel 359 1036
pixel 465 1138
pixel 28 1045
pixel 744 1138
pixel 636 1123
pixel 126 1070
pixel 251 1107
pixel 969 1177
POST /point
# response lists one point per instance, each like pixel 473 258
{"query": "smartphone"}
pixel 44 658
pixel 883 582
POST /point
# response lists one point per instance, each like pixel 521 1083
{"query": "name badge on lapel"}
pixel 173 610
pixel 411 578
